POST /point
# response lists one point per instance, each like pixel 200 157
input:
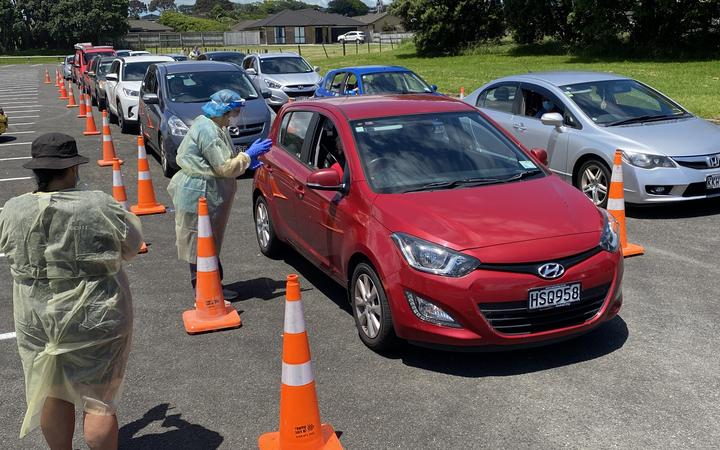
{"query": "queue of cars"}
pixel 449 222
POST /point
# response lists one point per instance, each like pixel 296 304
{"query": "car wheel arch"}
pixel 585 157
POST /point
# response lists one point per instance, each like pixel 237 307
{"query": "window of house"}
pixel 299 35
pixel 279 35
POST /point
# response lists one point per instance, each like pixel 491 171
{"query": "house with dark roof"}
pixel 147 26
pixel 380 22
pixel 304 26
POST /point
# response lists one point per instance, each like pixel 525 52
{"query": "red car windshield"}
pixel 437 151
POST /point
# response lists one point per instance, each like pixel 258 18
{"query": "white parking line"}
pixel 24 117
pixel 9 65
pixel 35 65
pixel 19 132
pixel 22 111
pixel 16 158
pixel 15 143
pixel 22 123
pixel 15 179
pixel 18 89
pixel 21 103
pixel 6 336
pixel 24 106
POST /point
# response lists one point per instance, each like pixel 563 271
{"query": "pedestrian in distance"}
pixel 71 298
pixel 209 168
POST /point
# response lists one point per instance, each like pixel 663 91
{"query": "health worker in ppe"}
pixel 71 298
pixel 209 168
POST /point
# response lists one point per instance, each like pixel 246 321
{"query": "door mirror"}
pixel 251 72
pixel 266 94
pixel 433 87
pixel 325 180
pixel 150 99
pixel 111 77
pixel 540 154
pixel 552 119
pixel 316 68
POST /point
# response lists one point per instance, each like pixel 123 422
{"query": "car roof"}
pixel 146 58
pixel 562 78
pixel 198 66
pixel 277 55
pixel 98 49
pixel 375 106
pixel 372 69
pixel 223 53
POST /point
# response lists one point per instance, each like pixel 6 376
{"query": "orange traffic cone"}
pixel 71 99
pixel 90 129
pixel 57 78
pixel 462 93
pixel 147 204
pixel 82 112
pixel 47 77
pixel 300 427
pixel 63 91
pixel 119 194
pixel 211 312
pixel 616 206
pixel 108 147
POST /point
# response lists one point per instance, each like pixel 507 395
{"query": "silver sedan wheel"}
pixel 367 306
pixel 594 184
pixel 262 224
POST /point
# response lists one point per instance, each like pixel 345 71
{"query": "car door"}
pixel 283 167
pixel 498 102
pixel 150 114
pixel 321 215
pixel 111 85
pixel 529 130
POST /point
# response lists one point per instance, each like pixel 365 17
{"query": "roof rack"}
pixel 82 45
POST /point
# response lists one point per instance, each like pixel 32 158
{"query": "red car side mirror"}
pixel 325 180
pixel 541 155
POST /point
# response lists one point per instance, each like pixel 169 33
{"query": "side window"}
pixel 76 60
pixel 327 149
pixel 536 103
pixel 499 98
pixel 149 84
pixel 293 131
pixel 255 65
pixel 351 84
pixel 247 63
pixel 115 67
pixel 337 82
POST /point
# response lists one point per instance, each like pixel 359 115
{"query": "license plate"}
pixel 554 296
pixel 713 181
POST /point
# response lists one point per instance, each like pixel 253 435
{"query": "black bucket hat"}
pixel 54 151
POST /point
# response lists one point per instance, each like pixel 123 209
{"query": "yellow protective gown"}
pixel 71 298
pixel 3 123
pixel 208 168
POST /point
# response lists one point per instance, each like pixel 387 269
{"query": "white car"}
pixel 122 87
pixel 352 36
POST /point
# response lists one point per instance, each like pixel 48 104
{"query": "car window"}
pixel 115 67
pixel 285 64
pixel 327 148
pixel 293 131
pixel 535 103
pixel 197 87
pixel 235 58
pixel 337 82
pixel 247 63
pixel 406 153
pixel 103 68
pixel 150 82
pixel 394 83
pixel 351 84
pixel 500 98
pixel 136 71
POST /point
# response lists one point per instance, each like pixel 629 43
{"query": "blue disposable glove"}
pixel 259 148
pixel 255 164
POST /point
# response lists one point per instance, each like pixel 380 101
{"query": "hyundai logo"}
pixel 551 271
pixel 713 160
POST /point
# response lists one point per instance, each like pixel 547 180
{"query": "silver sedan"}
pixel 581 118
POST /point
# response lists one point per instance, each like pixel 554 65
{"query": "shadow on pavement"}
pixel 7 138
pixel 180 435
pixel 263 288
pixel 684 210
pixel 318 279
pixel 600 342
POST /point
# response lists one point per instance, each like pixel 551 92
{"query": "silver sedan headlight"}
pixel 646 161
pixel 433 258
pixel 272 84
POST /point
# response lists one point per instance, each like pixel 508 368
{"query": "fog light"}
pixel 658 190
pixel 430 312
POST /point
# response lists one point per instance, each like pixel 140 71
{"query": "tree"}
pixel 275 6
pixel 347 7
pixel 162 5
pixel 205 7
pixel 449 26
pixel 135 8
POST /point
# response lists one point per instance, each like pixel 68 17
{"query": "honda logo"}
pixel 713 160
pixel 551 271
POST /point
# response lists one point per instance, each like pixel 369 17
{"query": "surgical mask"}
pixel 547 106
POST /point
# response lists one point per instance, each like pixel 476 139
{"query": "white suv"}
pixel 122 87
pixel 352 36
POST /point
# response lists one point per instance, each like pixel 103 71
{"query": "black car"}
pixel 172 95
pixel 233 57
pixel 96 80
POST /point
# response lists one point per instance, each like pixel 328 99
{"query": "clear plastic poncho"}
pixel 208 169
pixel 71 298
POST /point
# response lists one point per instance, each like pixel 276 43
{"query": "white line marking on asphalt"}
pixel 9 65
pixel 21 103
pixel 22 110
pixel 24 117
pixel 5 336
pixel 15 158
pixel 15 179
pixel 17 90
pixel 19 132
pixel 24 105
pixel 35 65
pixel 21 123
pixel 15 143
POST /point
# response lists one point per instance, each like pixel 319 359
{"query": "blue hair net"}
pixel 223 102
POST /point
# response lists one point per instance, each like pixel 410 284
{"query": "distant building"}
pixel 243 25
pixel 379 22
pixel 305 26
pixel 151 17
pixel 147 26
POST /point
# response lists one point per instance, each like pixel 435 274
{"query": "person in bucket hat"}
pixel 71 297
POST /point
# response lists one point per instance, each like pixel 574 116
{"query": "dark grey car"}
pixel 172 95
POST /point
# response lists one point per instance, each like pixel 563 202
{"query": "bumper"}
pixel 684 184
pixel 129 107
pixel 281 96
pixel 471 300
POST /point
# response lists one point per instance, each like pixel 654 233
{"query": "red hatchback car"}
pixel 443 229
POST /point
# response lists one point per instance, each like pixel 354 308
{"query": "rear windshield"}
pixel 290 64
pixel 90 56
pixel 235 58
pixel 196 87
pixel 136 71
pixel 394 83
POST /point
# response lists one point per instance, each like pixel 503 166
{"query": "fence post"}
pixel 380 42
pixel 391 45
pixel 357 46
pixel 324 49
pixel 202 40
pixel 343 47
pixel 299 51
pixel 368 42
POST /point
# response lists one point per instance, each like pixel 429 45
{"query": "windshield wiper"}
pixel 647 118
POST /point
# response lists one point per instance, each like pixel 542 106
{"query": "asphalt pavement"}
pixel 650 378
